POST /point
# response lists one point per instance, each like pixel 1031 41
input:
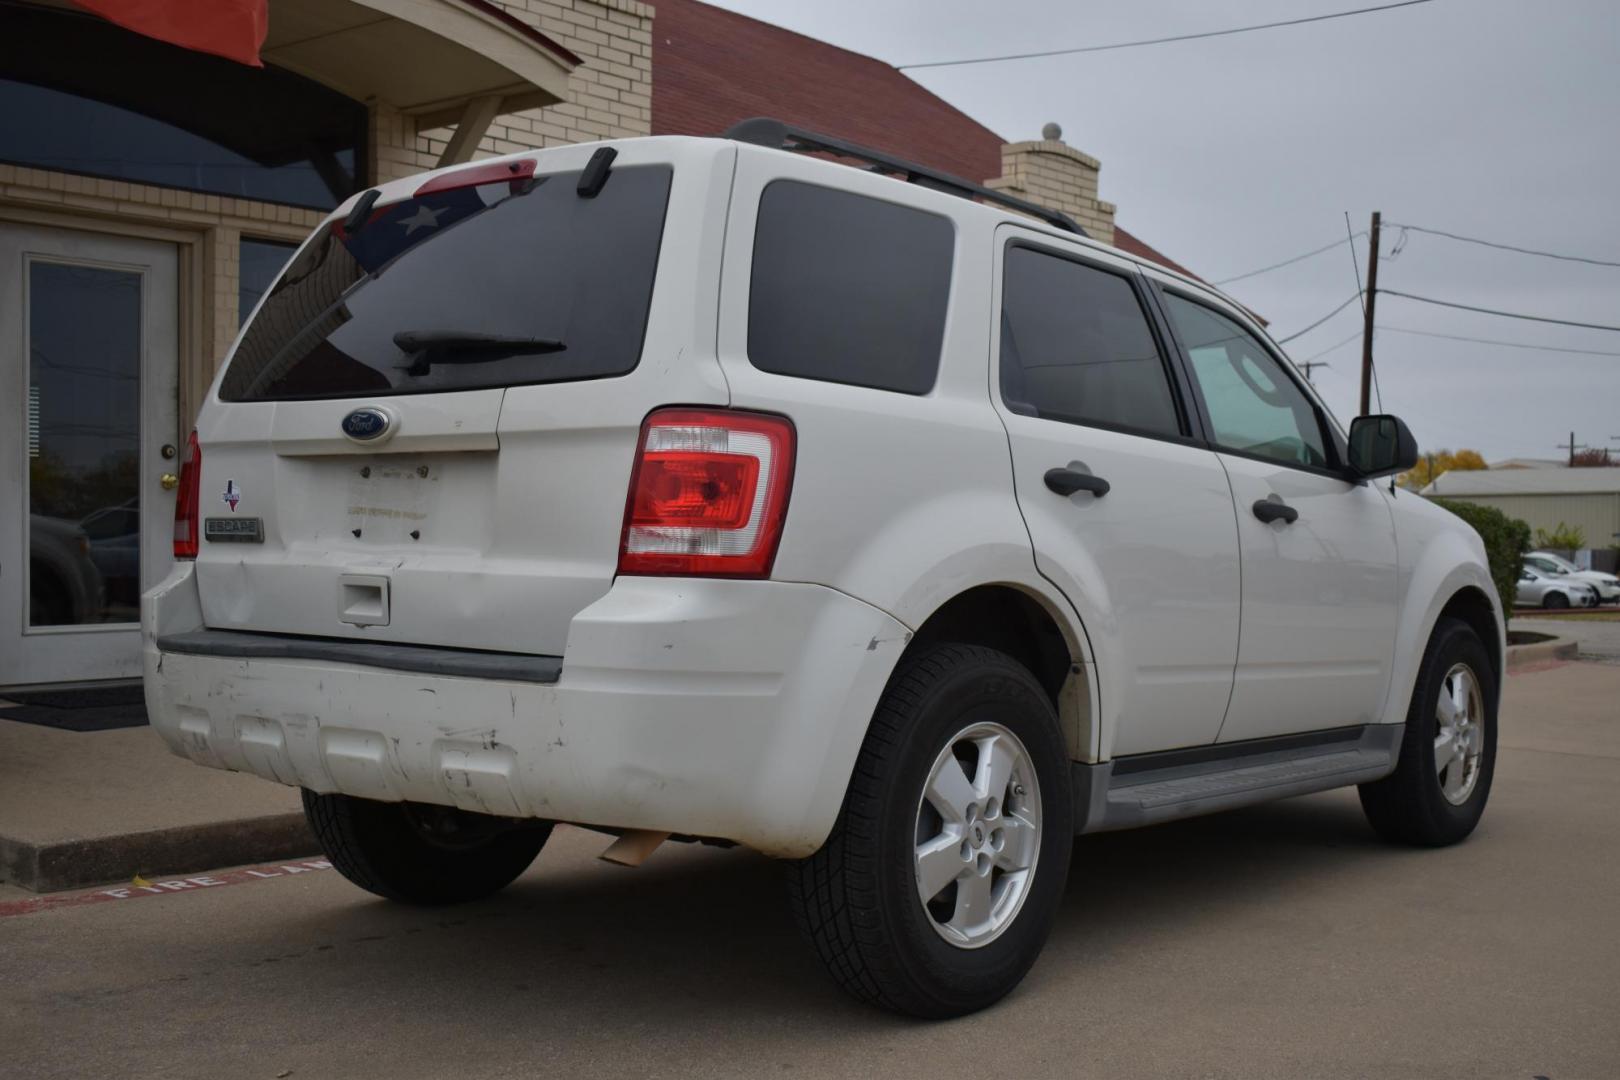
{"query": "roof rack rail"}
pixel 765 131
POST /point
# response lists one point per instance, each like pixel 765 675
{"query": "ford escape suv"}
pixel 697 488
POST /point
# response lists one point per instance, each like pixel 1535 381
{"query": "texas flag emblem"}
pixel 231 495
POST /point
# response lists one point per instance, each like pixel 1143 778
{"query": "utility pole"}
pixel 1367 307
pixel 1312 365
pixel 1572 446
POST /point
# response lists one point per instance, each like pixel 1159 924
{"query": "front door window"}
pixel 1254 407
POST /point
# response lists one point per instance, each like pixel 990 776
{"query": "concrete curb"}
pixel 1536 652
pixel 101 860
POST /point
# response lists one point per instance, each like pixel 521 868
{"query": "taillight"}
pixel 708 494
pixel 187 502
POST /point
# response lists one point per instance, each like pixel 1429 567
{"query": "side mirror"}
pixel 1381 445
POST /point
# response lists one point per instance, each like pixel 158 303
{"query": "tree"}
pixel 1506 540
pixel 1433 464
pixel 1595 458
pixel 1561 537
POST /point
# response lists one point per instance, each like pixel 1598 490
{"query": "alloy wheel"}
pixel 1460 737
pixel 978 835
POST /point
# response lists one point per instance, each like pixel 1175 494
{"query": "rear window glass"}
pixel 848 289
pixel 502 284
pixel 1076 347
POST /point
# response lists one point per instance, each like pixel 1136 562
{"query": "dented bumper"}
pixel 683 706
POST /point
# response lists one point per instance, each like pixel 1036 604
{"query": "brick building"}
pixel 149 194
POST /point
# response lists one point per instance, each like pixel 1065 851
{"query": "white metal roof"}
pixel 1459 482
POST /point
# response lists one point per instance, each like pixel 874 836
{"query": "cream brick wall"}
pixel 1056 175
pixel 610 92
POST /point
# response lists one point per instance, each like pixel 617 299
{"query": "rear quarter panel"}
pixel 903 501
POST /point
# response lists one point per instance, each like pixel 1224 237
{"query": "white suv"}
pixel 692 487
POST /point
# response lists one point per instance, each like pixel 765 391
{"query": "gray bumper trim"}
pixel 420 659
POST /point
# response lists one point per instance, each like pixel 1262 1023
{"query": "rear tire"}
pixel 1437 793
pixel 962 721
pixel 420 854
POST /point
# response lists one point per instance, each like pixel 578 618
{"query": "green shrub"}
pixel 1506 541
pixel 1561 537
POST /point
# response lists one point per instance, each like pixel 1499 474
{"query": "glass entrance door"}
pixel 88 370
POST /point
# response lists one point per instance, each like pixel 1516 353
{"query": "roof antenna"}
pixel 595 173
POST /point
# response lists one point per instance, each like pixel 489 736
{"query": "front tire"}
pixel 942 877
pixel 1437 793
pixel 420 854
pixel 1555 600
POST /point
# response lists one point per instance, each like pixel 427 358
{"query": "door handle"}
pixel 1273 509
pixel 1069 481
pixel 169 481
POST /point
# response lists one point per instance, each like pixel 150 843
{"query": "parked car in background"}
pixel 1607 585
pixel 694 489
pixel 1537 588
pixel 115 548
pixel 64 586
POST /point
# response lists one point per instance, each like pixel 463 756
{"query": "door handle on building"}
pixel 169 481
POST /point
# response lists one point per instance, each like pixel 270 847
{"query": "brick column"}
pixel 1056 175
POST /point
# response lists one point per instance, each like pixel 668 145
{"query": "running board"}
pixel 1150 788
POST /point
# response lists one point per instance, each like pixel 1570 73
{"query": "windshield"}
pixel 411 301
pixel 1555 565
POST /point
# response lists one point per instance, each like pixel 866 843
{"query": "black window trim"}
pixel 1337 469
pixel 1189 420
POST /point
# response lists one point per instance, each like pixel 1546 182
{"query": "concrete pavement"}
pixel 1599 637
pixel 82 807
pixel 1282 941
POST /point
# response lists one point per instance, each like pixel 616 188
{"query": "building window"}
pixel 89 97
pixel 259 261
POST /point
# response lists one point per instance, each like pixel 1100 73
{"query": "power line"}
pixel 1353 337
pixel 1507 247
pixel 1285 262
pixel 1493 341
pixel 1159 41
pixel 1299 333
pixel 1493 311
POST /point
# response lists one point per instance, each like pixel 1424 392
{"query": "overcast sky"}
pixel 1490 118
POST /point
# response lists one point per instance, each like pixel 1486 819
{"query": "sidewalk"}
pixel 81 808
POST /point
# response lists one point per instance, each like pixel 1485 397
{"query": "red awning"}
pixel 234 29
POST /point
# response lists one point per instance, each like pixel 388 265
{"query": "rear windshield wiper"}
pixel 414 341
pixel 429 347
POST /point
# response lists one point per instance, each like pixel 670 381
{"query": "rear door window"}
pixel 1076 347
pixel 848 289
pixel 500 284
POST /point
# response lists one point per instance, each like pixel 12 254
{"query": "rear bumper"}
pixel 732 709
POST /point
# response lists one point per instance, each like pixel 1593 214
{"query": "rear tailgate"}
pixel 486 510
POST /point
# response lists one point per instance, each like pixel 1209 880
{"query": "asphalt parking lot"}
pixel 1282 941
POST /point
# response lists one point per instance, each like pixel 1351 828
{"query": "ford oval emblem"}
pixel 364 425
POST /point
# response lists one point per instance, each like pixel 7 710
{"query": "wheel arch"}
pixel 1447 580
pixel 1471 605
pixel 1031 628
